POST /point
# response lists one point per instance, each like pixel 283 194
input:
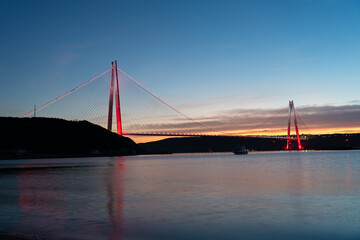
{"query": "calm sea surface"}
pixel 272 195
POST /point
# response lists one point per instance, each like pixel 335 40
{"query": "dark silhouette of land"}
pixel 50 137
pixel 228 144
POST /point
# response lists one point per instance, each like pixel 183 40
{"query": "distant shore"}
pixel 228 144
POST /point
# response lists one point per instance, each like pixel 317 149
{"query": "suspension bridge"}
pixel 114 95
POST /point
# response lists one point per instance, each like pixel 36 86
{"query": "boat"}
pixel 241 150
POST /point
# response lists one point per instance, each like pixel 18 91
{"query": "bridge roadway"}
pixel 210 135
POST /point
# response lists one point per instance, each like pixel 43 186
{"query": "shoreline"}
pixel 51 156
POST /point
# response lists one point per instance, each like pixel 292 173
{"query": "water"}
pixel 276 195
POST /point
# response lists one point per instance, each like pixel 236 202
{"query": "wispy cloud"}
pixel 325 118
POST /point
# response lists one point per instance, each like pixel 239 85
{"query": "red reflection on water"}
pixel 49 209
pixel 115 204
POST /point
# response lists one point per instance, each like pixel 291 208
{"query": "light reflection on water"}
pixel 276 195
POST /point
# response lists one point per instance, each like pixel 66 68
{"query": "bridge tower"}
pixel 114 86
pixel 292 109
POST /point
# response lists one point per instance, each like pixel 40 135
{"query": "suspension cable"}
pixel 262 124
pixel 302 119
pixel 163 101
pixel 63 95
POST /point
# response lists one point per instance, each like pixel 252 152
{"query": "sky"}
pixel 237 62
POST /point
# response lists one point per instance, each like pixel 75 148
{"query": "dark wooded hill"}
pixel 50 137
pixel 228 144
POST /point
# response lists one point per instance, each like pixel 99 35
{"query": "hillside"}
pixel 50 137
pixel 228 144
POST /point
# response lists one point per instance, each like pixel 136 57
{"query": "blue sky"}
pixel 201 56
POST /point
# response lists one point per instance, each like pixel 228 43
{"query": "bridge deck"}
pixel 208 135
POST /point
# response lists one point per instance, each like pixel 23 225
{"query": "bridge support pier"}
pixel 114 86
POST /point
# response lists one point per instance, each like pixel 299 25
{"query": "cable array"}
pixel 155 115
pixel 87 101
pixel 142 111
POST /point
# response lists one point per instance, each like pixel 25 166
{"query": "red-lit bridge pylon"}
pixel 289 140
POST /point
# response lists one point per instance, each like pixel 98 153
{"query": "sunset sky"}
pixel 230 64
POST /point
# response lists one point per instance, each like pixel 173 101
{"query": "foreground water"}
pixel 277 195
